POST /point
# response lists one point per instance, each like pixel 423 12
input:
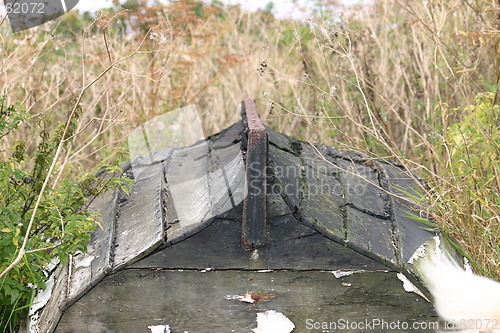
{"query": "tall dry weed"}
pixel 373 79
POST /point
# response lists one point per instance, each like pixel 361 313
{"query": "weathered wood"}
pixel 347 198
pixel 140 163
pixel 362 188
pixel 410 232
pixel 287 169
pixel 359 198
pixel 228 137
pixel 291 246
pixel 279 140
pixel 299 203
pixel 46 319
pixel 254 206
pixel 89 268
pixel 188 204
pixel 203 181
pixel 226 178
pixel 193 301
pixel 322 194
pixel 276 206
pixel 140 224
pixel 371 234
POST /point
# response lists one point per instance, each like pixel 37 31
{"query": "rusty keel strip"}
pixel 254 206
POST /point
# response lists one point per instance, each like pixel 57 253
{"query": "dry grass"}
pixel 388 80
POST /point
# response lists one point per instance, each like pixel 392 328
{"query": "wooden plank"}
pixel 411 233
pixel 281 141
pixel 87 269
pixel 140 163
pixel 254 217
pixel 364 206
pixel 204 302
pixel 371 234
pixel 322 194
pixel 254 206
pixel 291 246
pixel 47 318
pixel 287 169
pixel 340 198
pixel 322 206
pixel 188 202
pixel 140 222
pixel 362 188
pixel 228 137
pixel 226 179
pixel 276 206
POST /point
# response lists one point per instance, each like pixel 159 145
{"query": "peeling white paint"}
pixel 341 273
pixel 421 251
pixel 273 322
pixel 346 272
pixel 410 287
pixel 159 328
pixel 34 326
pixel 231 297
pixel 407 285
pixel 86 261
pixel 43 296
pixel 247 298
pixel 255 255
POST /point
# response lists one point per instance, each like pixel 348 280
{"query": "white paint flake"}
pixel 159 328
pixel 407 285
pixel 43 296
pixel 273 322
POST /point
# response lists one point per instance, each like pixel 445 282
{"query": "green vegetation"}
pixel 468 199
pixel 39 225
pixel 414 82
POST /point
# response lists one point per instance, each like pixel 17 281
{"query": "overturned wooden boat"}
pixel 248 220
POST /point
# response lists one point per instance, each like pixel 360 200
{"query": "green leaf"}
pixel 15 294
